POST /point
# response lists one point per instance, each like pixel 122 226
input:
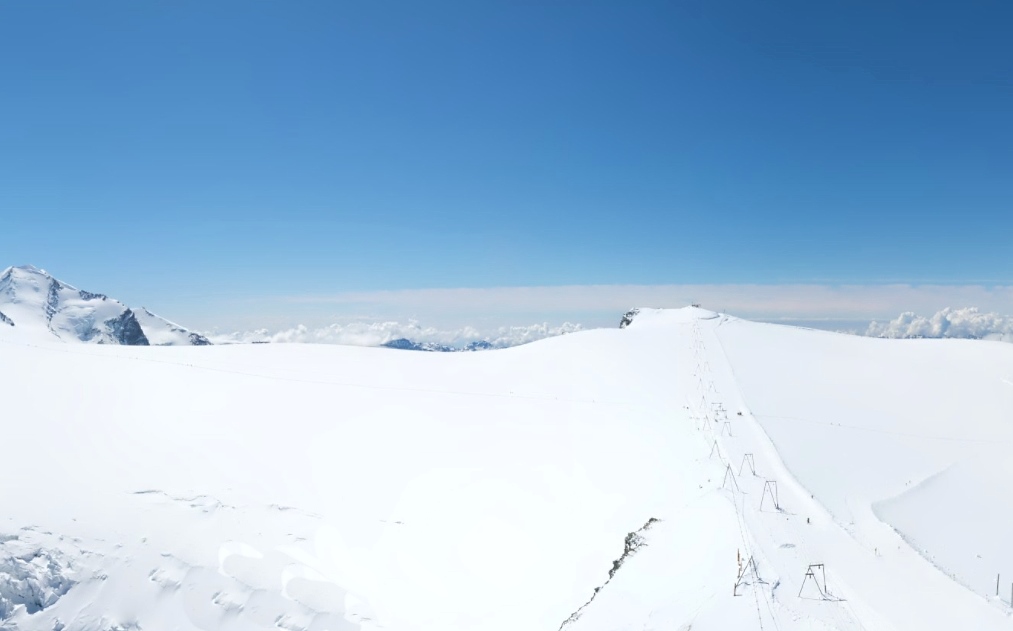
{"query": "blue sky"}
pixel 204 158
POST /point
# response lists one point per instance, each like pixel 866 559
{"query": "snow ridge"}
pixel 634 541
pixel 162 332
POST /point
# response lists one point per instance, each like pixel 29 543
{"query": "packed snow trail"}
pixel 780 555
pixel 875 580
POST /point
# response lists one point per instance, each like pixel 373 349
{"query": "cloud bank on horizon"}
pixel 459 316
pixel 747 300
pixel 380 333
pixel 593 306
pixel 966 323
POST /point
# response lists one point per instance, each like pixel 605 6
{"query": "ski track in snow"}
pixel 783 542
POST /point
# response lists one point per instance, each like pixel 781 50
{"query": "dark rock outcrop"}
pixel 628 318
pixel 127 330
pixel 404 344
pixel 196 339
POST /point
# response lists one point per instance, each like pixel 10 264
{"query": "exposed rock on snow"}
pixel 627 318
pixel 125 329
pixel 634 541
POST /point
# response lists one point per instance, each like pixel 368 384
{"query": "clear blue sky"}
pixel 194 147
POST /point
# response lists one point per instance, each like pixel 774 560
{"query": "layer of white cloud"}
pixel 968 323
pixel 592 305
pixel 379 333
pixel 811 301
pixel 603 305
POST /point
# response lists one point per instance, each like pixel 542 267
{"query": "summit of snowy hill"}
pixel 642 316
pixel 39 307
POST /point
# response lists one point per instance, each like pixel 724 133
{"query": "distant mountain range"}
pixel 41 307
pixel 405 344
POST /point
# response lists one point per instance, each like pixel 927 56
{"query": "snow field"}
pixel 322 487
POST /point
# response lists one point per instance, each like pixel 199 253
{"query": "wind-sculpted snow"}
pixel 32 576
pixel 253 567
pixel 33 580
pixel 972 549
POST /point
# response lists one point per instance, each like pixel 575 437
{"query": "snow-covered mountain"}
pixel 405 344
pixel 40 307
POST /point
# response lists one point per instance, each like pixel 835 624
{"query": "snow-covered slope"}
pixel 681 473
pixel 161 332
pixel 40 307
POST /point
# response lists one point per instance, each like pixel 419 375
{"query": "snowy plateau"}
pixel 691 471
pixel 41 307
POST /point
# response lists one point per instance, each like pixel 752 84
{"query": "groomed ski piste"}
pixel 692 471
